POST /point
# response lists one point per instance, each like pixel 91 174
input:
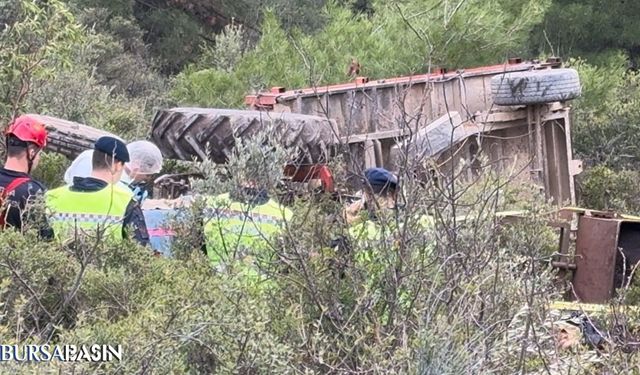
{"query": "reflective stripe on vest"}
pixel 87 218
pixel 221 213
pixel 72 211
pixel 229 223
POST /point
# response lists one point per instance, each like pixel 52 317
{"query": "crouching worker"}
pixel 377 207
pixel 240 229
pixel 98 204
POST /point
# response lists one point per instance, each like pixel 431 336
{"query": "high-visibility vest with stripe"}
pixel 371 238
pixel 370 234
pixel 231 225
pixel 77 212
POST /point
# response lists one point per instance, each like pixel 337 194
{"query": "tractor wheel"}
pixel 69 138
pixel 535 87
pixel 185 133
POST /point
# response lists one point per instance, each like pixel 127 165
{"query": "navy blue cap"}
pixel 380 177
pixel 113 147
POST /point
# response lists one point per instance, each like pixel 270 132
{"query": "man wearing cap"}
pixel 379 229
pixel 379 193
pixel 146 161
pixel 98 201
pixel 25 138
pixel 375 213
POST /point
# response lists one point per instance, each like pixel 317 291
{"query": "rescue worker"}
pixel 146 161
pixel 382 233
pixel 98 201
pixel 378 209
pixel 25 138
pixel 379 199
pixel 240 226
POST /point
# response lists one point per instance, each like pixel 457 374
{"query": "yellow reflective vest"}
pixel 94 213
pixel 238 229
pixel 376 244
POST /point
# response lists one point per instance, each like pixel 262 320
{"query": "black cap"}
pixel 113 147
pixel 381 179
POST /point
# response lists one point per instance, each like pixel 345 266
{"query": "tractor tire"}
pixel 535 87
pixel 69 138
pixel 202 133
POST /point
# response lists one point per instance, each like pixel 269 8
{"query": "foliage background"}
pixel 112 63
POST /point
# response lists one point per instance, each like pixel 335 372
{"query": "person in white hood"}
pixel 146 160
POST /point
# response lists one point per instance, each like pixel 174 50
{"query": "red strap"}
pixel 14 185
pixel 10 188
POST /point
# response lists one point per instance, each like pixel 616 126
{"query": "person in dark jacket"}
pixel 98 201
pixel 25 138
pixel 380 192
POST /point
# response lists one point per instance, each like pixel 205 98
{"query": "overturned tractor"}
pixel 516 115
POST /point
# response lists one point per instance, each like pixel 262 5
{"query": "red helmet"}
pixel 28 129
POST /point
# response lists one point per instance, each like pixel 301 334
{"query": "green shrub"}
pixel 602 188
pixel 39 33
pixel 51 169
pixel 389 42
pixel 607 116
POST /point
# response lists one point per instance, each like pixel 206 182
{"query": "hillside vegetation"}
pixel 456 297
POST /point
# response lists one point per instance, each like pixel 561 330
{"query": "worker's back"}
pixel 100 210
pixel 19 189
pixel 237 230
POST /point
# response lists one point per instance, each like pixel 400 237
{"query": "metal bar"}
pixel 545 159
pixel 475 128
pixel 416 79
pixel 373 136
pixel 539 151
pixel 378 152
pixel 530 135
pixel 564 265
pixel 369 155
pixel 553 111
pixel 564 242
pixel 567 137
pixel 556 162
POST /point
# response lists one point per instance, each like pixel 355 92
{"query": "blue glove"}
pixel 139 193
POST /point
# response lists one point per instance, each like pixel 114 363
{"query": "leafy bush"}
pixel 601 188
pixel 51 168
pixel 40 32
pixel 95 82
pixel 174 35
pixel 75 95
pixel 588 28
pixel 606 116
pixel 229 47
pixel 208 88
pixel 605 133
pixel 476 32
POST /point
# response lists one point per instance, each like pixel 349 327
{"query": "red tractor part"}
pixel 307 172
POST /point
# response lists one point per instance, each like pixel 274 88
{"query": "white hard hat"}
pixel 81 167
pixel 146 157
